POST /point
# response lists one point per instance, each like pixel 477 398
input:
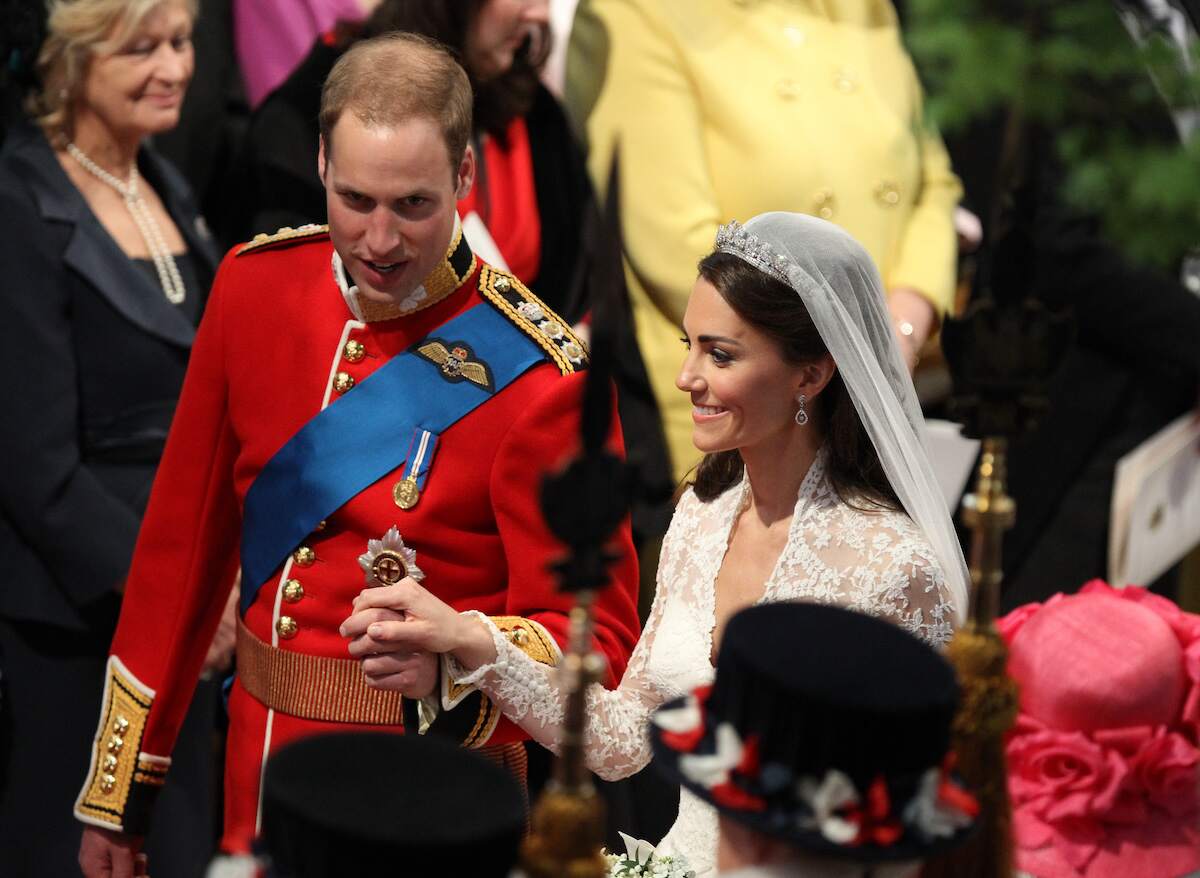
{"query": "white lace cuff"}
pixel 520 677
pixel 454 675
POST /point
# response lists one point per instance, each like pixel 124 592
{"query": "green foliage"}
pixel 1071 67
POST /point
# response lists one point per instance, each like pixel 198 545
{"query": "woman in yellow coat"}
pixel 728 108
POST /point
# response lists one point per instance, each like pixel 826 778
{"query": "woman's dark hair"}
pixel 497 101
pixel 774 309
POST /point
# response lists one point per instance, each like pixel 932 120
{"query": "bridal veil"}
pixel 842 290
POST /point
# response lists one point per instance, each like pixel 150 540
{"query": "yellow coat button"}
pixel 286 627
pixel 887 193
pixel 502 284
pixel 120 725
pixel 107 783
pixel 110 763
pixel 115 743
pixel 342 382
pixel 354 351
pixel 518 636
pixel 845 81
pixel 824 204
pixel 293 591
pixel 788 89
pixel 304 556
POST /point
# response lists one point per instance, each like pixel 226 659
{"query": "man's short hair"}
pixel 387 80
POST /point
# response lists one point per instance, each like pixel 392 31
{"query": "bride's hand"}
pixel 412 674
pixel 406 617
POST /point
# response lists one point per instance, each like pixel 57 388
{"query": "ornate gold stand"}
pixel 989 702
pixel 567 826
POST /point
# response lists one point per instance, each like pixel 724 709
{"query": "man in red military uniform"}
pixel 362 403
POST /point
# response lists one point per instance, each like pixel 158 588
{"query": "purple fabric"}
pixel 273 36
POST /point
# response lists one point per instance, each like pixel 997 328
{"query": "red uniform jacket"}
pixel 278 342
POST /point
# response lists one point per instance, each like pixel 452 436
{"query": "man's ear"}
pixel 322 162
pixel 466 174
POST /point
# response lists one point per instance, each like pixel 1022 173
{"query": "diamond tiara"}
pixel 733 238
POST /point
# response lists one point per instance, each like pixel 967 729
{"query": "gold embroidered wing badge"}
pixel 457 362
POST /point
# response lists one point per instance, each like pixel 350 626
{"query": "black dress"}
pixel 97 356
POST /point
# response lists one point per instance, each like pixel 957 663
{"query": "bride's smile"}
pixel 742 389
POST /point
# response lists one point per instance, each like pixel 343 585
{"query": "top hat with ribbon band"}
pixel 827 729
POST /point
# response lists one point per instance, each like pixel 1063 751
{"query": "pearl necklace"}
pixel 164 262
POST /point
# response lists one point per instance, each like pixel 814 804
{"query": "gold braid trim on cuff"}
pixel 529 637
pixel 117 761
pixel 526 635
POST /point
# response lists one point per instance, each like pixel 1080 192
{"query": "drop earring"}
pixel 801 414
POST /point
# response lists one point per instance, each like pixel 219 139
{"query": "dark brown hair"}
pixel 498 100
pixel 387 80
pixel 775 309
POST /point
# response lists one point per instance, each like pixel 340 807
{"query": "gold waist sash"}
pixel 312 686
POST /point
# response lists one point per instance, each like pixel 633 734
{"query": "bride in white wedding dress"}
pixel 815 487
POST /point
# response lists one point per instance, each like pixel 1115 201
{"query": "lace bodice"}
pixel 873 562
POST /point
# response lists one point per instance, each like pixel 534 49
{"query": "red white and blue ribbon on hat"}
pixel 831 805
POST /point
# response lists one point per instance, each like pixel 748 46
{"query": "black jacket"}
pixel 1136 344
pixel 95 357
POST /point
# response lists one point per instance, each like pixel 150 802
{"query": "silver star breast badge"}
pixel 388 560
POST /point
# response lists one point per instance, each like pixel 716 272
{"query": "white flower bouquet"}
pixel 641 861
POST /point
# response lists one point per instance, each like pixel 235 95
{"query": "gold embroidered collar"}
pixel 447 276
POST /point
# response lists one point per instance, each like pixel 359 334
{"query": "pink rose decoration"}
pixel 1009 624
pixel 1185 625
pixel 1122 798
pixel 1190 715
pixel 1167 769
pixel 1062 775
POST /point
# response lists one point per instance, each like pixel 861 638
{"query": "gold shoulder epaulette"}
pixel 286 234
pixel 533 317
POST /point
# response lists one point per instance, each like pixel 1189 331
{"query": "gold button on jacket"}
pixel 304 556
pixel 342 382
pixel 354 351
pixel 286 627
pixel 293 591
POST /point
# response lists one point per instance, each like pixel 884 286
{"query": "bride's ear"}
pixel 814 376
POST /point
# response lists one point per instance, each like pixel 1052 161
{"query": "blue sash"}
pixel 364 435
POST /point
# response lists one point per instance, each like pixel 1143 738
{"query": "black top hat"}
pixel 827 729
pixel 343 804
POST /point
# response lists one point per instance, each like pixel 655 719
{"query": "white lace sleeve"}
pixel 876 562
pixel 908 586
pixel 528 693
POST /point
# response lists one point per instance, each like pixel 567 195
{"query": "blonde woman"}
pixel 107 266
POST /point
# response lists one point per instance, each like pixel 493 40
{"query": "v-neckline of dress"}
pixel 808 489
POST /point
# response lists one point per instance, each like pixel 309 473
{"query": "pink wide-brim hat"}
pixel 1104 762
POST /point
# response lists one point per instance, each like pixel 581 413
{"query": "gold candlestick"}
pixel 989 696
pixel 567 825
